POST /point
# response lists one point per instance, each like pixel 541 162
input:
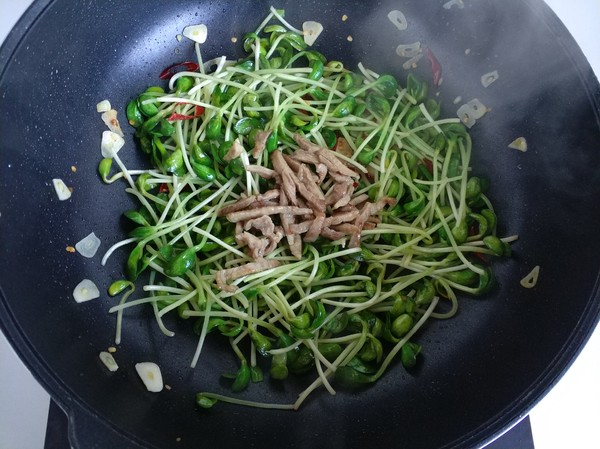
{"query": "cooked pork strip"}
pixel 260 141
pixel 244 215
pixel 222 276
pixel 261 171
pixel 235 151
pixel 245 202
pixel 287 176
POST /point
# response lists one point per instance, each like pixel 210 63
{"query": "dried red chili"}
pixel 198 111
pixel 428 165
pixel 436 68
pixel 189 66
pixel 481 257
pixel 176 116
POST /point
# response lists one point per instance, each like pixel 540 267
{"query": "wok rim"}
pixel 79 411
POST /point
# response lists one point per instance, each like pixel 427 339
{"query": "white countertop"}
pixel 566 418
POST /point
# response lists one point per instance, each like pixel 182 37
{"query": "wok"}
pixel 481 371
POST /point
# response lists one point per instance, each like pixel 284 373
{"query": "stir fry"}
pixel 314 216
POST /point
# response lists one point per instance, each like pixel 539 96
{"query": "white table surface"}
pixel 568 417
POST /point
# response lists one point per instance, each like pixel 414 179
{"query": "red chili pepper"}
pixel 198 108
pixel 481 257
pixel 436 68
pixel 428 165
pixel 176 116
pixel 164 188
pixel 173 69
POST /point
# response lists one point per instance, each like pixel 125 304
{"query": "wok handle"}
pixel 89 431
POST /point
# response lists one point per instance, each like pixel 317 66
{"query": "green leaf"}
pixel 104 168
pixel 184 261
pixel 242 379
pixel 213 129
pixel 118 286
pixel 205 401
pixel 409 354
pixel 136 217
pixel 345 107
pixel 377 105
pixel 256 374
pixel 184 83
pixel 132 266
pixel 134 115
pixel 262 343
pixel 246 124
pixel 147 105
pixel 387 85
pixel 142 232
pixel 317 70
pixel 204 172
pixel 348 377
pixel 174 163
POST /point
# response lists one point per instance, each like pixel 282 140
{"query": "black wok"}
pixel 481 371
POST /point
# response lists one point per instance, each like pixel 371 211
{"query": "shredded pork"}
pixel 234 152
pixel 313 195
pixel 261 171
pixel 260 141
pixel 249 214
pixel 222 276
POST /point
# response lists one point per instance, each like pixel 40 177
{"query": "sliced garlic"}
pixel 111 144
pixel 531 279
pixel 109 361
pixel 110 119
pixel 451 3
pixel 412 62
pixel 311 31
pixel 88 246
pixel 398 19
pixel 489 78
pixel 86 290
pixel 197 33
pixel 471 111
pixel 408 50
pixel 150 374
pixel 519 144
pixel 103 106
pixel 477 108
pixel 61 189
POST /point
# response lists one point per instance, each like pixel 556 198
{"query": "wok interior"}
pixel 480 371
